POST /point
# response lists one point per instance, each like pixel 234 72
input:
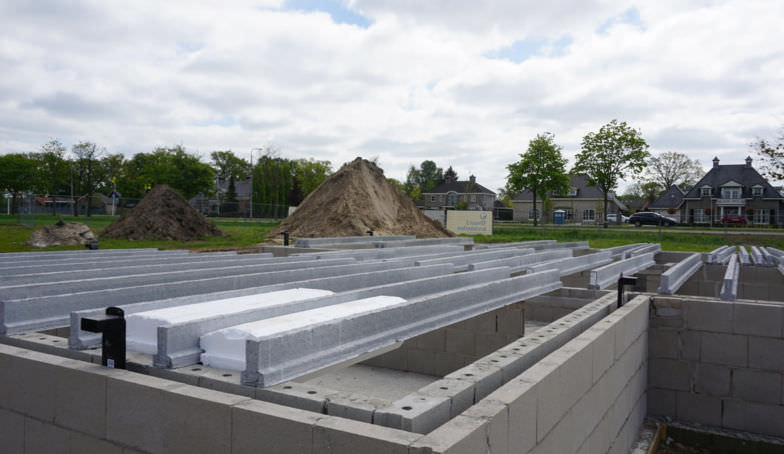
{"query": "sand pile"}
pixel 62 234
pixel 162 215
pixel 358 198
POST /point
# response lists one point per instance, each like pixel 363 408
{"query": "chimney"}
pixel 716 162
pixel 472 179
pixel 748 162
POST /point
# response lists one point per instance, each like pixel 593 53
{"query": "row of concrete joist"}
pixel 12 259
pixel 607 275
pixel 678 274
pixel 326 242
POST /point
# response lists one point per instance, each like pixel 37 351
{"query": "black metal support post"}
pixel 112 328
pixel 285 238
pixel 623 281
pixel 370 233
pixel 91 245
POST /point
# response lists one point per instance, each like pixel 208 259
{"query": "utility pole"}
pixel 251 183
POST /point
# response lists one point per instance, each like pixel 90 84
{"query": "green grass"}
pixel 13 237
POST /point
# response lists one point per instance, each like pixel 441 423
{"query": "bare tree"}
pixel 86 156
pixel 671 168
pixel 772 155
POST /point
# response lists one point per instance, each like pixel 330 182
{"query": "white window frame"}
pixel 731 192
pixel 761 216
pixel 572 191
pixel 473 198
pixel 706 191
pixel 533 213
pixel 589 214
pixel 756 191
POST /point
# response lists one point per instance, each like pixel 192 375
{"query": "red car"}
pixel 734 219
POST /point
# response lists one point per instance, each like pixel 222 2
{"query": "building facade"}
pixel 452 192
pixel 582 204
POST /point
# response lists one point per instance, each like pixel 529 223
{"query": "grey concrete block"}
pixel 416 412
pixel 691 342
pixel 459 392
pixel 80 398
pixel 335 435
pixel 354 406
pixel 699 409
pixel 662 402
pixel 460 341
pixel 708 315
pixel 297 395
pixel 44 438
pixel 273 429
pixel 712 379
pixel 754 417
pixel 12 432
pixel 663 343
pixel 766 353
pixel 670 374
pixel 758 319
pixel 28 384
pixel 727 349
pixel 757 386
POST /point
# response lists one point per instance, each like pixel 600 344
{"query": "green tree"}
pixel 671 168
pixel 450 174
pixel 226 164
pixel 17 175
pixel 426 177
pixel 609 155
pixel 772 155
pixel 541 168
pixel 309 174
pixel 52 170
pixel 174 166
pixel 86 156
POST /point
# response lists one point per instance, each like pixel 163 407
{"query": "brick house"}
pixel 734 189
pixel 582 203
pixel 451 192
pixel 669 203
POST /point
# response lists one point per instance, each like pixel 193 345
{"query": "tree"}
pixel 309 174
pixel 505 196
pixel 541 168
pixel 86 156
pixel 450 174
pixel 608 155
pixel 52 169
pixel 671 168
pixel 426 177
pixel 227 165
pixel 772 155
pixel 17 174
pixel 174 166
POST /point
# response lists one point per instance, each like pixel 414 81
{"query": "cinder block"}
pixel 699 408
pixel 416 412
pixel 757 319
pixel 511 321
pixel 708 316
pixel 44 438
pixel 497 416
pixel 522 399
pixel 459 392
pixel 446 363
pixel 353 406
pixel 690 342
pixel 12 434
pixel 634 322
pixel 603 350
pixel 275 429
pixel 297 395
pixel 757 386
pixel 727 349
pixel 669 374
pixel 28 382
pixel 460 341
pixel 434 341
pixel 84 444
pixel 552 402
pixel 336 435
pixel 712 379
pixel 754 417
pixel 662 402
pixel 461 435
pixel 766 353
pixel 663 343
pixel 80 398
pixel 733 414
pixel 488 343
pixel 421 361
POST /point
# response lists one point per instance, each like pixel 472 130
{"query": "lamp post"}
pixel 251 183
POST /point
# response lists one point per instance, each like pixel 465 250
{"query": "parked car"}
pixel 612 218
pixel 734 219
pixel 650 218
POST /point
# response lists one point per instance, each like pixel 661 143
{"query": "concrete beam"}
pixel 314 347
pixel 570 245
pixel 519 244
pixel 757 258
pixel 608 274
pixel 618 251
pixel 425 242
pixel 102 263
pixel 729 287
pixel 471 257
pixel 743 255
pixel 540 257
pixel 677 275
pixel 573 265
pixel 346 240
pixel 720 255
pixel 389 253
pixel 44 257
pixel 178 343
pixel 767 257
pixel 27 314
pixel 655 248
pixel 359 279
pixel 40 289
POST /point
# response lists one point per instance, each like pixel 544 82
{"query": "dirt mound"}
pixel 61 234
pixel 162 215
pixel 358 198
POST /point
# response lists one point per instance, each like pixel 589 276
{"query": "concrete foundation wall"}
pixel 718 363
pixel 754 283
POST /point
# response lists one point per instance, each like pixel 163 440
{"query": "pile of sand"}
pixel 358 198
pixel 163 215
pixel 62 234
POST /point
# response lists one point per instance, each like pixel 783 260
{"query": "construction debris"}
pixel 62 234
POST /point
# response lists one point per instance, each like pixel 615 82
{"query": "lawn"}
pixel 244 233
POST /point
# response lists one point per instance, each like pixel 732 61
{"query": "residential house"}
pixel 582 203
pixel 451 192
pixel 216 204
pixel 734 189
pixel 669 203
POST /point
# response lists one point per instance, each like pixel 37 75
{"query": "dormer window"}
pixel 572 191
pixel 756 191
pixel 732 192
pixel 705 191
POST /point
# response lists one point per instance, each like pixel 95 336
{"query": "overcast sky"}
pixel 463 83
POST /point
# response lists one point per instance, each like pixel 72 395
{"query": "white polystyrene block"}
pixel 225 348
pixel 142 327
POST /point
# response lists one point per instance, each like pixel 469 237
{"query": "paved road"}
pixel 709 231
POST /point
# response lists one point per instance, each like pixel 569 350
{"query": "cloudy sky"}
pixel 464 83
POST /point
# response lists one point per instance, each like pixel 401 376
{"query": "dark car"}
pixel 650 218
pixel 734 219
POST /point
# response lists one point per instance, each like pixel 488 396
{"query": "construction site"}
pixel 375 339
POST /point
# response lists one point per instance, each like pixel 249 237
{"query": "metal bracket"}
pixel 369 232
pixel 285 238
pixel 112 328
pixel 623 281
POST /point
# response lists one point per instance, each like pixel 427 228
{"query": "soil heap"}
pixel 163 215
pixel 61 234
pixel 358 198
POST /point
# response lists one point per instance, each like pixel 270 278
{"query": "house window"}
pixel 572 191
pixel 451 199
pixel 756 191
pixel 473 198
pixel 589 215
pixel 761 217
pixel 705 192
pixel 533 214
pixel 730 193
pixel 441 198
pixel 432 198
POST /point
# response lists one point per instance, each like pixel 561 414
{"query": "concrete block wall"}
pixel 444 350
pixel 559 303
pixel 589 396
pixel 718 363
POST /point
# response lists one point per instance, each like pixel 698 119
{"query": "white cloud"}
pixel 702 78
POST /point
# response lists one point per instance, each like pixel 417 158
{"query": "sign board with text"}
pixel 470 222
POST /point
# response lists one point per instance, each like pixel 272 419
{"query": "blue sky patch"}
pixel 523 49
pixel 631 16
pixel 335 8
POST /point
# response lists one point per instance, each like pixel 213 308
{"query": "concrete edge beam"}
pixel 608 274
pixel 573 265
pixel 424 242
pixel 471 257
pixel 743 255
pixel 317 242
pixel 677 275
pixel 392 253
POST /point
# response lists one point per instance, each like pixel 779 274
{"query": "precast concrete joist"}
pixel 573 265
pixel 103 263
pixel 52 311
pixel 608 274
pixel 618 251
pixel 768 258
pixel 92 253
pixel 286 355
pixel 424 242
pixel 470 257
pixel 571 245
pixel 720 255
pixel 390 253
pixel 519 244
pixel 347 240
pixel 539 257
pixel 44 257
pixel 39 289
pixel 729 287
pixel 678 274
pixel 655 248
pixel 743 256
pixel 178 343
pixel 337 283
pixel 757 258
